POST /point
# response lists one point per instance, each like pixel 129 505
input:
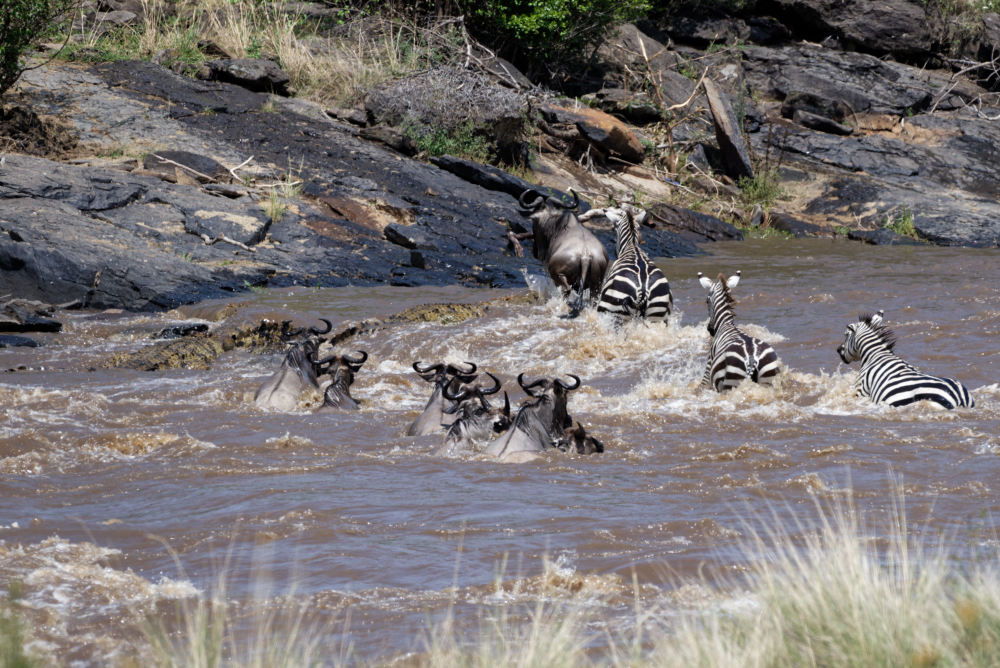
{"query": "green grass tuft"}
pixel 901 222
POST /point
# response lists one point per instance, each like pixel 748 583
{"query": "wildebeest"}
pixel 574 257
pixel 476 420
pixel 540 421
pixel 298 372
pixel 434 416
pixel 337 395
pixel 576 439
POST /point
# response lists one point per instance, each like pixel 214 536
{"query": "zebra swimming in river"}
pixel 734 355
pixel 633 285
pixel 885 377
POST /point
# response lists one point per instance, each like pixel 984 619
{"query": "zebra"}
pixel 734 355
pixel 633 286
pixel 885 377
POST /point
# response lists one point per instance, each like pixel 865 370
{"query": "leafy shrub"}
pixel 901 222
pixel 22 24
pixel 465 141
pixel 547 33
pixel 764 188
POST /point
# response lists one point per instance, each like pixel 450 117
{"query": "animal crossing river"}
pixel 123 491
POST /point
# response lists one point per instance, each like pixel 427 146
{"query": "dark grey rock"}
pixel 703 30
pixel 796 227
pixel 860 81
pixel 634 106
pixel 494 178
pixel 814 104
pixel 821 123
pixel 899 27
pixel 170 165
pixel 410 237
pixel 693 226
pixel 257 74
pixel 13 341
pixel 19 315
pixel 881 237
pixel 728 133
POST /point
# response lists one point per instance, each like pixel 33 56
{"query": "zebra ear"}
pixel 705 281
pixel 877 319
pixel 733 281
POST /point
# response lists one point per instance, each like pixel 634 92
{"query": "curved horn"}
pixel 455 371
pixel 491 390
pixel 433 368
pixel 329 326
pixel 566 386
pixel 287 333
pixel 558 202
pixel 356 361
pixel 456 397
pixel 529 205
pixel 325 360
pixel 527 388
pixel 506 404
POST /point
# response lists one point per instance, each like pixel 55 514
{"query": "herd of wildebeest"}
pixel 460 405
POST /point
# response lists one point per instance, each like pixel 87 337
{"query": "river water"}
pixel 122 492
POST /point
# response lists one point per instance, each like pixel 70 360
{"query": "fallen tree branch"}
pixel 185 167
pixel 223 238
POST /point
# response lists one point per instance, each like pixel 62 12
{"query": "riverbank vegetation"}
pixel 832 594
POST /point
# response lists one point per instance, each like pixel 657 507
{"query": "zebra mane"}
pixel 726 292
pixel 882 331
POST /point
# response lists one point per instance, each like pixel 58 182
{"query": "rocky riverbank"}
pixel 140 188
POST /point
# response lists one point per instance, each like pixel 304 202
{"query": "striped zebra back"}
pixel 633 285
pixel 885 377
pixel 734 356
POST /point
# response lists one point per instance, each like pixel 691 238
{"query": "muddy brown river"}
pixel 122 492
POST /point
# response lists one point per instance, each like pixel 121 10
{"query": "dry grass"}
pixel 329 65
pixel 832 595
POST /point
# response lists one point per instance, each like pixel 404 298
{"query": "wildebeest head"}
pixel 476 419
pixel 341 369
pixel 540 421
pixel 297 372
pixel 549 216
pixel 441 375
pixel 576 439
pixel 551 396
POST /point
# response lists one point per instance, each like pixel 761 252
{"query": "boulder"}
pixel 636 107
pixel 691 225
pixel 706 29
pixel 728 133
pixel 821 123
pixel 13 341
pixel 882 237
pixel 797 228
pixel 21 315
pixel 494 178
pixel 633 61
pixel 897 27
pixel 857 81
pixel 257 74
pixel 604 131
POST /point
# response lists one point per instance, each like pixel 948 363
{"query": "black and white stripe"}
pixel 885 377
pixel 734 355
pixel 633 286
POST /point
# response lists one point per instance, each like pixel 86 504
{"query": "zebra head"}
pixel 720 299
pixel 868 333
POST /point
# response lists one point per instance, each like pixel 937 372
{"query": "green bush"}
pixel 22 24
pixel 547 33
